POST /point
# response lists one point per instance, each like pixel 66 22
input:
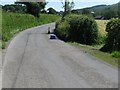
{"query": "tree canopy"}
pixel 34 8
pixel 51 11
pixel 68 6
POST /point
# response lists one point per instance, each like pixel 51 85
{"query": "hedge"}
pixel 78 28
pixel 113 36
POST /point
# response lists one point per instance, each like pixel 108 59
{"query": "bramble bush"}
pixel 113 36
pixel 78 28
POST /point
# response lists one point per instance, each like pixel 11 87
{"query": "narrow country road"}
pixel 33 60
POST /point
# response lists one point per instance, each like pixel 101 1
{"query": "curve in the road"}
pixel 33 60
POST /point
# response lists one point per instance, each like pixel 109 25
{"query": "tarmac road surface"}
pixel 33 60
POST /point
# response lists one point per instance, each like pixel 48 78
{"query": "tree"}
pixel 68 6
pixel 9 8
pixel 51 11
pixel 14 8
pixel 34 8
pixel 43 11
pixel 42 5
pixel 75 11
pixel 85 11
pixel 109 14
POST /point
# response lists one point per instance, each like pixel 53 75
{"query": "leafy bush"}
pixel 113 37
pixel 116 54
pixel 81 29
pixel 101 39
pixel 62 30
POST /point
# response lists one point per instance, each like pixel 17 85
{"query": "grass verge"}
pixel 94 51
pixel 12 23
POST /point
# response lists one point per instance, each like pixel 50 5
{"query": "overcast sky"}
pixel 56 4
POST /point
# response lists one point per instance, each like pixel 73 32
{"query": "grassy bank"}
pixel 111 58
pixel 13 23
pixel 94 51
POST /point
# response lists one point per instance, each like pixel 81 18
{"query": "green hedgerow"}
pixel 78 28
pixel 113 36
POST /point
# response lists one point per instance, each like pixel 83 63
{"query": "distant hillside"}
pixel 97 8
pixel 100 8
pixel 103 10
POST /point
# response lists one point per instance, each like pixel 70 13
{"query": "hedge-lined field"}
pixel 14 22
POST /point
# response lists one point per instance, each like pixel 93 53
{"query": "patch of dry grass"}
pixel 102 26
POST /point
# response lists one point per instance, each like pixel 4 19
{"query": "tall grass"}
pixel 102 26
pixel 14 22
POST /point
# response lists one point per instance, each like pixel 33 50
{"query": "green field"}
pixel 13 23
